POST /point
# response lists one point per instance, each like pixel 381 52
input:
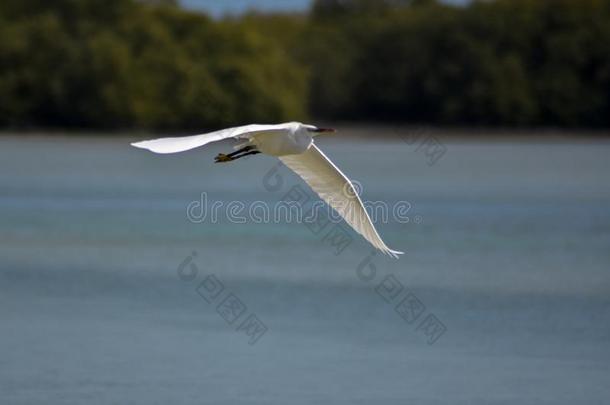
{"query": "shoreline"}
pixel 353 131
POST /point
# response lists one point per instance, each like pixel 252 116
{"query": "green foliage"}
pixel 503 62
pixel 121 64
pixel 151 64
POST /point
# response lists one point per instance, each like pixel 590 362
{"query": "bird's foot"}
pixel 222 158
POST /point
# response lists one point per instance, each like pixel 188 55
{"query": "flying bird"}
pixel 293 143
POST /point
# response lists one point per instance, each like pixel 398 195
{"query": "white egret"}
pixel 293 144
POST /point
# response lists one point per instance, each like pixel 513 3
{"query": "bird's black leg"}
pixel 252 152
pixel 245 151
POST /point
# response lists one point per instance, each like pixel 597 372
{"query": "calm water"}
pixel 508 247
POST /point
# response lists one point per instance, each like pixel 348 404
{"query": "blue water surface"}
pixel 110 294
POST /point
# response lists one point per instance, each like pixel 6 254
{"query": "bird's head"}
pixel 319 131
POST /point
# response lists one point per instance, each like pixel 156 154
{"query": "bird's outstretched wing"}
pixel 180 144
pixel 337 191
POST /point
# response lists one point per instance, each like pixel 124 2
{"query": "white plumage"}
pixel 180 144
pixel 293 144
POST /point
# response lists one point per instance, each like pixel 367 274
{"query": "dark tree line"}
pixel 127 63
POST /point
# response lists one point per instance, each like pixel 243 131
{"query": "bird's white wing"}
pixel 180 144
pixel 337 191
